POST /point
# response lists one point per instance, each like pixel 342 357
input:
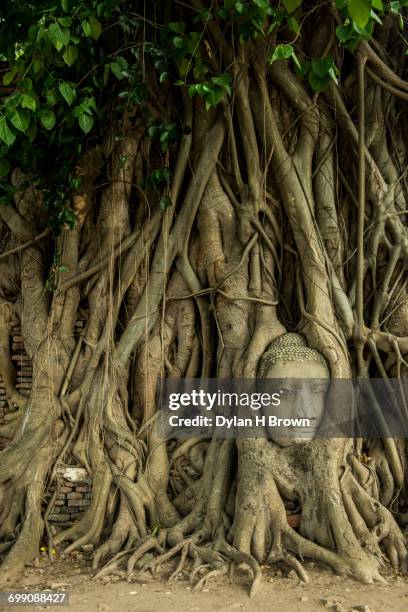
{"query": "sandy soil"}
pixel 277 592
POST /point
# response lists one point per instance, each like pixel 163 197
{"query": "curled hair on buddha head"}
pixel 289 347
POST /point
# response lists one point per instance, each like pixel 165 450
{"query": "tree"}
pixel 194 180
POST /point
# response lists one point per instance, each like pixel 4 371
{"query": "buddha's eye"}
pixel 286 390
pixel 319 387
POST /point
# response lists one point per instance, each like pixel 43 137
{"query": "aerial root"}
pixel 181 563
pixel 112 564
pixel 113 546
pixel 215 559
pixel 209 561
pixel 219 560
pixel 239 557
pixel 213 574
pixel 197 569
pixel 291 561
pixel 155 563
pixel 148 543
pixel 133 552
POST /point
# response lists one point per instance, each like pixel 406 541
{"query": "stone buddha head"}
pixel 301 376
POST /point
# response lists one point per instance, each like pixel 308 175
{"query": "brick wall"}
pixel 74 491
pixel 74 486
pixel 24 374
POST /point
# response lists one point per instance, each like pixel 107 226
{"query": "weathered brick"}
pixel 59 517
pixel 58 509
pixel 74 495
pixel 78 502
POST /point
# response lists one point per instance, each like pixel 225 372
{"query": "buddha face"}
pixel 303 386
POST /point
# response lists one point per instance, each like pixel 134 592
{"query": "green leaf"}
pixel 343 33
pixel 321 67
pixel 70 55
pixel 85 123
pixel 87 28
pixel 165 202
pixel 91 103
pixel 20 119
pixel 333 73
pixel 65 21
pixel 296 61
pixel 117 70
pixel 164 77
pixel 96 27
pixel 376 18
pixel 48 119
pixel 177 26
pixel 37 65
pixel 224 81
pixel 67 92
pixel 67 216
pixel 50 96
pixel 28 101
pixel 4 167
pixel 284 52
pixel 377 5
pixel 293 24
pixel 292 5
pixel 41 33
pixel 214 97
pixel 321 70
pixel 9 76
pixel 359 11
pixel 92 28
pixel 6 133
pixel 58 35
pixel 65 5
pixel 281 52
pixel 203 15
pixel 317 83
pixel 26 84
pixel 75 182
pixel 32 131
pixel 178 42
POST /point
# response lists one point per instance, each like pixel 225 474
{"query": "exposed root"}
pixel 148 543
pixel 240 557
pixel 180 566
pixel 154 564
pixel 276 556
pixel 213 574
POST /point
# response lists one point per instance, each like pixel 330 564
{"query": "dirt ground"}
pixel 279 591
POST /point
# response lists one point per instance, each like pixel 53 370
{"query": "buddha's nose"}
pixel 303 402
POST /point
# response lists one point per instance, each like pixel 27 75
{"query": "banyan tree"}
pixel 211 188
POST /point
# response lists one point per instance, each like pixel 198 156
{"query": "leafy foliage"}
pixel 70 68
pixel 284 52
